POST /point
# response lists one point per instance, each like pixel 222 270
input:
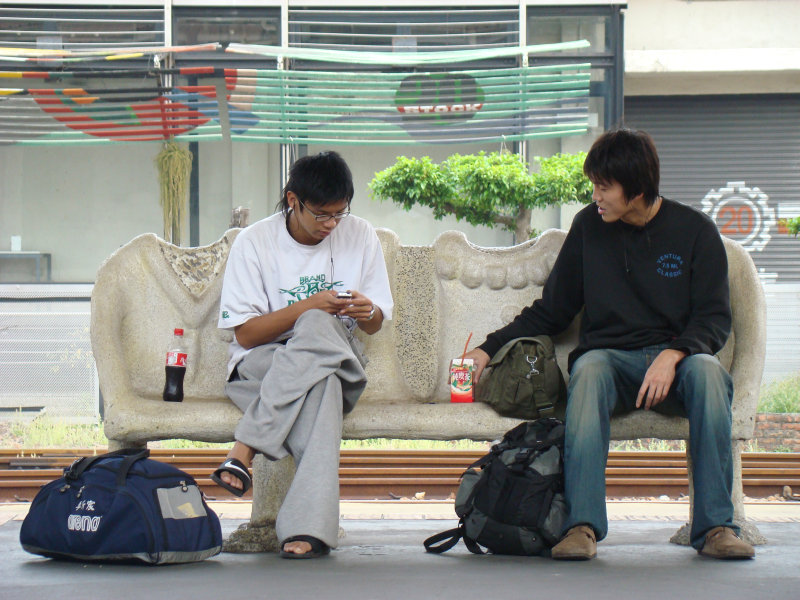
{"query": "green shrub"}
pixel 384 444
pixel 792 225
pixel 47 432
pixel 648 445
pixel 179 444
pixel 781 396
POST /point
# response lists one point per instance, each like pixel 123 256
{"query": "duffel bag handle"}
pixel 545 341
pixel 127 463
pixel 77 468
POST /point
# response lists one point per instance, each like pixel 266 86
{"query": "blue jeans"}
pixel 606 382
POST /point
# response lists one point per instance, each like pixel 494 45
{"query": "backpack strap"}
pixel 554 436
pixel 521 459
pixel 472 545
pixel 482 461
pixel 495 450
pixel 447 538
pixel 513 438
pixel 545 511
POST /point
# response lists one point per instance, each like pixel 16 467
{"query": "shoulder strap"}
pixel 77 468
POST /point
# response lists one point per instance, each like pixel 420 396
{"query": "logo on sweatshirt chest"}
pixel 669 265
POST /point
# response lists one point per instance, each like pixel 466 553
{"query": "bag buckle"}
pixel 521 460
pixel 532 363
pixel 69 472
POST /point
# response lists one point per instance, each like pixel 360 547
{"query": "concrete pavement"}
pixel 382 558
pixel 618 510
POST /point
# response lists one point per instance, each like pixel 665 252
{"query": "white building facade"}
pixel 716 82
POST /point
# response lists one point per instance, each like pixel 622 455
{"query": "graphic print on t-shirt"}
pixel 308 286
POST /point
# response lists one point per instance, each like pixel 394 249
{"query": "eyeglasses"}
pixel 323 217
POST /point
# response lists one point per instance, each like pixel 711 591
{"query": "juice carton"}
pixel 461 380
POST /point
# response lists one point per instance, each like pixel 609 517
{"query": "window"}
pixel 191 26
pixel 423 29
pixel 80 27
pixel 601 26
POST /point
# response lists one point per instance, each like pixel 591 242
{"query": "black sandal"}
pixel 318 547
pixel 236 468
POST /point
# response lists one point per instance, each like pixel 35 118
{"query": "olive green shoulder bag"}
pixel 523 380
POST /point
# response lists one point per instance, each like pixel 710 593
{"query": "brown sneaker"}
pixel 722 542
pixel 578 544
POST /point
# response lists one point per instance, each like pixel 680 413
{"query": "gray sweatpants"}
pixel 294 397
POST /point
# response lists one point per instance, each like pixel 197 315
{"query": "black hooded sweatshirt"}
pixel 666 282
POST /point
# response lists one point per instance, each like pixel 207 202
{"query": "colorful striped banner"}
pixel 292 106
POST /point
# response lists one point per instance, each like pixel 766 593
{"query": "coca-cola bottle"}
pixel 175 368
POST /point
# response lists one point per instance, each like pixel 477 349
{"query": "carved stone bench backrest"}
pixel 143 291
pixel 442 293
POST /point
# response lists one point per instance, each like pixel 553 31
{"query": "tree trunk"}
pixel 522 226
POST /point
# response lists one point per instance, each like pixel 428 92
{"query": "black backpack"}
pixel 515 503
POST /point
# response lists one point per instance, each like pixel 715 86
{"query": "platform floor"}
pixel 381 557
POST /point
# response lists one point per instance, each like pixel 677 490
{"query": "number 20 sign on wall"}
pixel 741 213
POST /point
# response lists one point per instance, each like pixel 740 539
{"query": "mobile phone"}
pixel 346 295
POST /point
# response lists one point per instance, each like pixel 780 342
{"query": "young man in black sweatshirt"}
pixel 651 275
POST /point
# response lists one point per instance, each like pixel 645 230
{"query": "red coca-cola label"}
pixel 176 359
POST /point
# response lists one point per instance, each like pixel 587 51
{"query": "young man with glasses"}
pixel 297 284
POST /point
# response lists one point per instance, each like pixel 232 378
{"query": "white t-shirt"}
pixel 268 270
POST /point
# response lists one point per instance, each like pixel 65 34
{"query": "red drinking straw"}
pixel 463 354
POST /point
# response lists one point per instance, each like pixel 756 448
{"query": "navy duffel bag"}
pixel 122 506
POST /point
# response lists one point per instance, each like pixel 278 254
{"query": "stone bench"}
pixel 442 293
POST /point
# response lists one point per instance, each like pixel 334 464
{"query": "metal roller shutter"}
pixel 738 159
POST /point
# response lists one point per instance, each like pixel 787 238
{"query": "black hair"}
pixel 319 180
pixel 628 157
